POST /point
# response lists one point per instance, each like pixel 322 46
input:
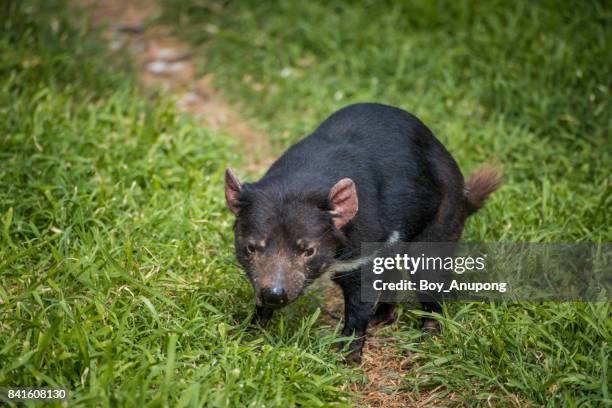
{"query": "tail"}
pixel 481 184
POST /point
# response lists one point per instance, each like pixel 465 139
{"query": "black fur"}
pixel 406 181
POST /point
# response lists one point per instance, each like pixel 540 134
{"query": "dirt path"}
pixel 162 60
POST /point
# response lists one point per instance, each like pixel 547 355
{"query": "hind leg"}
pixel 448 232
pixel 428 324
pixel 431 299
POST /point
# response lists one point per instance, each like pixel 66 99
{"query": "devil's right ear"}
pixel 233 188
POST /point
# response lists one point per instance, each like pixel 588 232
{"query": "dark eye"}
pixel 309 252
pixel 250 248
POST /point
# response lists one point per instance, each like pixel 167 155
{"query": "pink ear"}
pixel 343 198
pixel 232 191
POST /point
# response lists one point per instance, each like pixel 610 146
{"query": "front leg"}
pixel 262 315
pixel 357 315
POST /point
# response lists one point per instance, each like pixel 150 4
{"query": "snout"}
pixel 275 296
pixel 277 282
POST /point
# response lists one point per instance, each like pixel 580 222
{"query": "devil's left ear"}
pixel 343 199
pixel 232 191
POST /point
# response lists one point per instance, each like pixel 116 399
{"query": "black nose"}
pixel 274 296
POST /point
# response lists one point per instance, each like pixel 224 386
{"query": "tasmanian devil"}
pixel 367 172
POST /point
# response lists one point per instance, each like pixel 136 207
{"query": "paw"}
pixel 431 326
pixel 353 358
pixel 354 352
pixel 261 317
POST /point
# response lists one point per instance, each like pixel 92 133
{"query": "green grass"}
pixel 117 276
pixel 117 279
pixel 523 83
